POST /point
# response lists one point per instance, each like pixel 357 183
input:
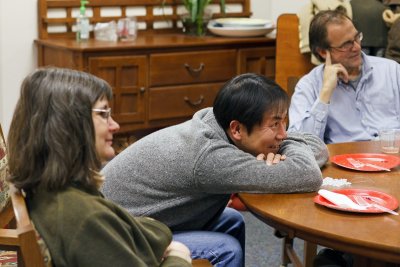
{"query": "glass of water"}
pixel 390 140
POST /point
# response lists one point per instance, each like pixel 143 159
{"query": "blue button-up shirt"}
pixel 352 114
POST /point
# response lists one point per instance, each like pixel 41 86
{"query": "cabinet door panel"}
pixel 180 101
pixel 258 60
pixel 192 67
pixel 127 77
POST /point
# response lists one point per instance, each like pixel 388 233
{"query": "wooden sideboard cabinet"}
pixel 160 80
pixel 164 76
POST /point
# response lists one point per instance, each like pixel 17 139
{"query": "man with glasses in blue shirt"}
pixel 352 95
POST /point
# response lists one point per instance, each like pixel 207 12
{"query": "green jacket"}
pixel 84 229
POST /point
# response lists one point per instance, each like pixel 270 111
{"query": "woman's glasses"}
pixel 104 113
pixel 347 46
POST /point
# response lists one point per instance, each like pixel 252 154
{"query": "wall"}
pixel 271 9
pixel 18 53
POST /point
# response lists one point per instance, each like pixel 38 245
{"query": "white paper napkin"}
pixel 340 200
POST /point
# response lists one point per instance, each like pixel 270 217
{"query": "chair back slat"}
pixel 20 210
pixel 9 239
pixel 290 63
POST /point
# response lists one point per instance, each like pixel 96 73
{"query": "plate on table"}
pixel 379 160
pixel 371 196
pixel 239 31
pixel 242 22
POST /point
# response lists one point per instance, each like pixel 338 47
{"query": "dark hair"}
pixel 51 142
pixel 246 98
pixel 318 28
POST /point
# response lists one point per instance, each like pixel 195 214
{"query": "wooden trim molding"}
pixel 57 18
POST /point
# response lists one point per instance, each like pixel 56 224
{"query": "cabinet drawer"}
pixel 192 67
pixel 182 101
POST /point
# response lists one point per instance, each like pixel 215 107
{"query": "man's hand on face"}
pixel 271 158
pixel 332 72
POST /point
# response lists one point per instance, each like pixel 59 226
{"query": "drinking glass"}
pixel 127 29
pixel 390 140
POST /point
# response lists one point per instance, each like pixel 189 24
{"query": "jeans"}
pixel 222 243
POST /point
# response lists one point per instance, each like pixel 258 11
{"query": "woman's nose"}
pixel 113 125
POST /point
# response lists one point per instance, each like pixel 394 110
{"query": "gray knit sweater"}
pixel 183 175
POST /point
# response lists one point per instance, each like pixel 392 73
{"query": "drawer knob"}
pixel 142 89
pixel 196 103
pixel 192 70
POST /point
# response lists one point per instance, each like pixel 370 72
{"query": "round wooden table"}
pixel 373 236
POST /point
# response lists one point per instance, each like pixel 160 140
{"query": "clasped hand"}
pixel 271 158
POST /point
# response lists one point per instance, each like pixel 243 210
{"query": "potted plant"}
pixel 196 19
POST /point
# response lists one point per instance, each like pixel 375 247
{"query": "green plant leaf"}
pixel 196 8
pixel 222 4
pixel 201 4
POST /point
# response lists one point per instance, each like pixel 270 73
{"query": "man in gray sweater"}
pixel 184 175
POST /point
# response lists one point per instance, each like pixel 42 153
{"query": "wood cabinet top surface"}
pixel 154 41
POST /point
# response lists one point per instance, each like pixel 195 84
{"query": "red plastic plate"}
pixel 382 160
pixel 370 196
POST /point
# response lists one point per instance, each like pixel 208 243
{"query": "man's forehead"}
pixel 275 114
pixel 337 28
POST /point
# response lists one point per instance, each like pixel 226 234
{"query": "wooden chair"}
pixel 291 65
pixel 7 219
pixel 24 238
pixel 6 212
pixel 18 237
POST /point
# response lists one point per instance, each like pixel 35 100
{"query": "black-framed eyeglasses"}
pixel 104 113
pixel 347 46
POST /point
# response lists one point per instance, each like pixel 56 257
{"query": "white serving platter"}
pixel 242 22
pixel 239 31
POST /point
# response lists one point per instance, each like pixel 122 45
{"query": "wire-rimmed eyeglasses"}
pixel 104 113
pixel 347 46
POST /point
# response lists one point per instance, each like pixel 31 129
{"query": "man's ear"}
pixel 322 53
pixel 235 130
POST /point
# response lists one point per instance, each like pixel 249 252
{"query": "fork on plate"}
pixel 361 200
pixel 358 164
